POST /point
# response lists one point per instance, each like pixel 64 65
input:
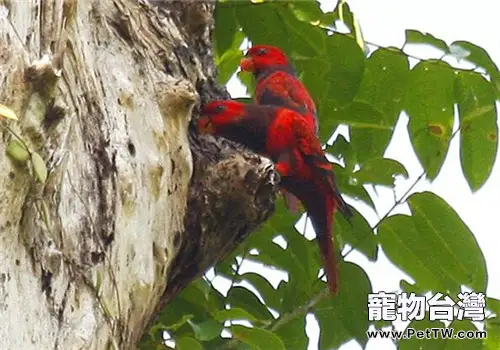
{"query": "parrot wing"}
pixel 283 89
pixel 320 167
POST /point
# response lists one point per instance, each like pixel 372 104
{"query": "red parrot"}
pixel 290 141
pixel 278 85
pixel 277 82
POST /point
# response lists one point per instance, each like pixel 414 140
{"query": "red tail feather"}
pixel 329 264
pixel 326 246
pixel 322 220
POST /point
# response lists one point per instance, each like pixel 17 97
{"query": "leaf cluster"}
pixel 368 91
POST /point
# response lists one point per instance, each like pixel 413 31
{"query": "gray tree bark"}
pixel 135 205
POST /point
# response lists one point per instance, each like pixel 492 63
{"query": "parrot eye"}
pixel 262 52
pixel 220 108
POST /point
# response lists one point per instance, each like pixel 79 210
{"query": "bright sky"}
pixel 384 22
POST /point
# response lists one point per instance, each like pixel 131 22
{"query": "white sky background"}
pixel 384 22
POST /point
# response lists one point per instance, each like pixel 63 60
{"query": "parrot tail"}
pixel 320 206
pixel 322 221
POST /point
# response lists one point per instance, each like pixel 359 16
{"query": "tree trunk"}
pixel 135 205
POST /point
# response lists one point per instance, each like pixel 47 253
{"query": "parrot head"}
pixel 218 114
pixel 260 57
pixel 246 124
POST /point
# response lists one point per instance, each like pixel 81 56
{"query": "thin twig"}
pixel 396 204
pixel 13 133
pixel 285 318
pixel 420 59
pixel 301 310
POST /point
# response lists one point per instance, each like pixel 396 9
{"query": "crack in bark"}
pixel 105 187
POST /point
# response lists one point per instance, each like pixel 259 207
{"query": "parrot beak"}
pixel 246 64
pixel 205 126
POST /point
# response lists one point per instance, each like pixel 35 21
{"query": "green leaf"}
pixel 384 82
pixel 493 305
pixel 338 76
pixel 257 338
pixel 345 316
pixel 271 296
pixel 246 78
pixel 240 297
pixel 17 151
pixel 305 255
pixel 332 79
pixel 380 171
pixel 228 64
pixel 346 69
pixel 407 248
pixel 383 88
pixel 346 181
pixel 369 142
pixel 270 253
pixel 150 344
pixel 225 267
pixel 492 326
pixel 275 24
pixel 478 127
pixel 273 255
pixel 429 104
pixel 349 19
pixel 357 233
pixel 381 324
pixel 310 12
pixel 478 56
pixel 206 330
pixel 369 131
pixel 410 288
pixel 39 167
pixel 303 280
pixel 306 11
pixel 305 39
pixel 348 185
pixel 206 299
pixel 187 343
pixel 183 320
pixel 432 214
pixel 429 246
pixel 417 37
pixel 341 148
pixel 262 25
pixel 315 74
pixel 293 333
pixel 233 314
pixel 283 220
pixel 414 343
pixel 190 304
pixel 203 285
pixel 226 27
pixel 6 112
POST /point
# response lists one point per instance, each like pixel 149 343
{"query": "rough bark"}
pixel 135 205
